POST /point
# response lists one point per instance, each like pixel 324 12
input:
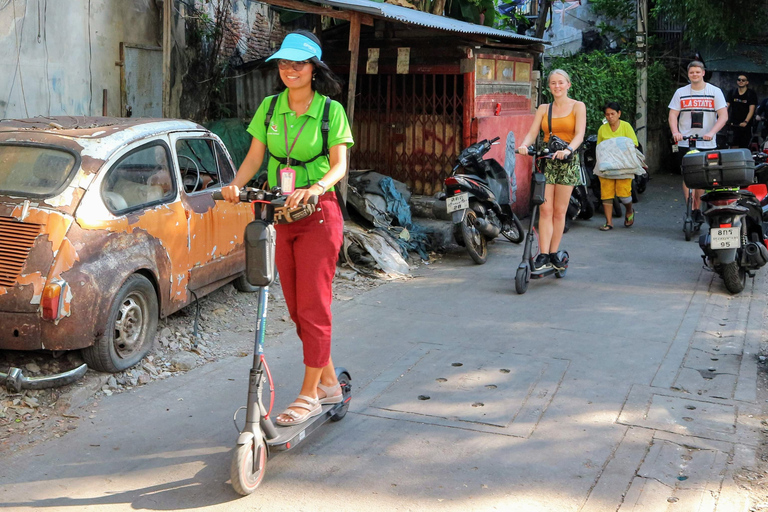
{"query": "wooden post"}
pixel 354 49
pixel 167 46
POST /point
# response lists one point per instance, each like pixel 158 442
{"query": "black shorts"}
pixel 681 151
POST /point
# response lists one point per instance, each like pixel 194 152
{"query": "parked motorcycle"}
pixel 734 241
pixel 478 195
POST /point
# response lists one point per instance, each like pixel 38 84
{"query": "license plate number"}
pixel 725 238
pixel 457 202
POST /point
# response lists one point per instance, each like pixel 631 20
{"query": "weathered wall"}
pixel 57 57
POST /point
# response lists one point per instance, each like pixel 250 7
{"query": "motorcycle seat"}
pixel 760 190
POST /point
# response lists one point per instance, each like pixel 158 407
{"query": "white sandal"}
pixel 312 406
pixel 330 393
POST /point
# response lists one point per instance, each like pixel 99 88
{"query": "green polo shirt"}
pixel 310 141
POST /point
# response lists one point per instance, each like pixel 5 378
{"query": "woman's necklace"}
pixel 305 108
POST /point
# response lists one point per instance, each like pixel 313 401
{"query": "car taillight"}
pixel 722 202
pixel 53 295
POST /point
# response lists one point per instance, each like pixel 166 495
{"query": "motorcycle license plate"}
pixel 725 238
pixel 457 202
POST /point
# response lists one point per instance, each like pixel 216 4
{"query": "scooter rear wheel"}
pixel 734 277
pixel 514 234
pixel 346 393
pixel 245 479
pixel 475 242
pixel 522 277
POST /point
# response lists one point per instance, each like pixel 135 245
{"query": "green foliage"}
pixel 714 20
pixel 470 11
pixel 617 19
pixel 597 78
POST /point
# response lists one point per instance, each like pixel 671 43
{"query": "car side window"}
pixel 198 165
pixel 225 166
pixel 140 178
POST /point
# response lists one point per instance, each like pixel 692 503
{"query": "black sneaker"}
pixel 557 263
pixel 541 262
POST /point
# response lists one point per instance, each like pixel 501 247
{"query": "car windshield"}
pixel 29 170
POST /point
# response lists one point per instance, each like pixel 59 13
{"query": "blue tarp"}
pixel 398 208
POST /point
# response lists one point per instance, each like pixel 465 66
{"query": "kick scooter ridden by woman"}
pixel 260 437
pixel 531 249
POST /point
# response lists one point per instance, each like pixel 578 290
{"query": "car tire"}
pixel 131 328
pixel 242 285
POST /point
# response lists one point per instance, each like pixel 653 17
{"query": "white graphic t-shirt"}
pixel 698 112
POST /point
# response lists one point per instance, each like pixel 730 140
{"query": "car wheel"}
pixel 130 330
pixel 241 284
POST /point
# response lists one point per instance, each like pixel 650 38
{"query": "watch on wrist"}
pixel 569 148
pixel 323 185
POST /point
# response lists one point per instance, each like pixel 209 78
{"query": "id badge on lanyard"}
pixel 288 174
pixel 287 180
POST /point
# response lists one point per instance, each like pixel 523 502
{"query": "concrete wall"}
pixel 58 56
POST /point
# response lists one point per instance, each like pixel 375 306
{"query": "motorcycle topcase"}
pixel 718 168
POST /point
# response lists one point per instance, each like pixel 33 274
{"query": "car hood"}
pixel 33 248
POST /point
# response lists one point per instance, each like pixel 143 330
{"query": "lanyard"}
pixel 285 132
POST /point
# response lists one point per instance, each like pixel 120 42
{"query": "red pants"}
pixel 306 255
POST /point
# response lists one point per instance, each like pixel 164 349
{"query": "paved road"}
pixel 627 386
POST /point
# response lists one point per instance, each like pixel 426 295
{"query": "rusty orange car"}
pixel 107 225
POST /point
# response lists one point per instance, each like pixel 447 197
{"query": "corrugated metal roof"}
pixel 414 17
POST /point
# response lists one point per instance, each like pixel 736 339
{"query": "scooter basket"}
pixel 260 240
pixel 718 168
pixel 538 183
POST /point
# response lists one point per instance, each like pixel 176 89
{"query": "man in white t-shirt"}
pixel 696 109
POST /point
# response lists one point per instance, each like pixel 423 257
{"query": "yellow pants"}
pixel 619 188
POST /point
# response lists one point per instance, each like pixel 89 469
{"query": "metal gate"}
pixel 409 127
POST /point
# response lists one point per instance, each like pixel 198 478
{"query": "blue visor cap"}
pixel 297 47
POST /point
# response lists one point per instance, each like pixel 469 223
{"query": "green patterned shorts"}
pixel 563 172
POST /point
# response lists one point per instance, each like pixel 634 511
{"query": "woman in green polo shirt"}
pixel 307 249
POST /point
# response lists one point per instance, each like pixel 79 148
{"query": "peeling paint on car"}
pixel 189 241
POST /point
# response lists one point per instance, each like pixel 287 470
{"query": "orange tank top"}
pixel 563 127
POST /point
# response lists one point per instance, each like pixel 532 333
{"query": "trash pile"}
pixel 378 241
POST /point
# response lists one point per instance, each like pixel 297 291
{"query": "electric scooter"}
pixel 260 437
pixel 531 249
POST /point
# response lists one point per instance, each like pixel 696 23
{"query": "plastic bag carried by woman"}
pixel 618 158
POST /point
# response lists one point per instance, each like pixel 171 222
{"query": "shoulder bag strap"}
pixel 549 120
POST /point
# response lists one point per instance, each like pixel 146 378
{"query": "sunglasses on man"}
pixel 291 64
pixel 741 79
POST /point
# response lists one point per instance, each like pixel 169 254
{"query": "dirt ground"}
pixel 32 416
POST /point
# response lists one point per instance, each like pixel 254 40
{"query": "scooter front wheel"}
pixel 688 229
pixel 522 277
pixel 246 476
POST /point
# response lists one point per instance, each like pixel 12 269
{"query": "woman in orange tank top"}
pixel 569 122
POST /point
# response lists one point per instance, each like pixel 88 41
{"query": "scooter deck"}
pixel 538 274
pixel 289 437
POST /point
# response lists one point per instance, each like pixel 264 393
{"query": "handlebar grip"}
pixel 217 196
pixel 494 139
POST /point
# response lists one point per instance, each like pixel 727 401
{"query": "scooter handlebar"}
pixel 249 195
